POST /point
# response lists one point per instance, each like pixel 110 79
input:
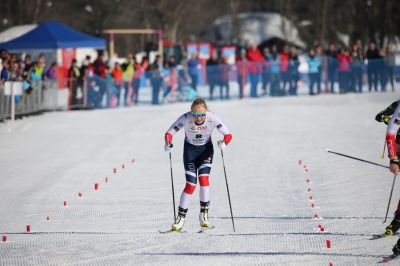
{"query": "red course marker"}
pixel 299 162
pixel 65 203
pixel 310 197
pixel 106 179
pixel 115 170
pixel 4 238
pixel 80 194
pixel 28 228
pixel 96 186
pixel 48 218
pixel 123 166
pixel 133 161
pixel 312 205
pixel 309 190
pixel 328 243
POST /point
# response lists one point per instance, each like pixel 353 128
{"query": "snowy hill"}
pixel 49 159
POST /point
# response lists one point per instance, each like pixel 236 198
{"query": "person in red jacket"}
pixel 284 68
pixel 344 60
pixel 255 67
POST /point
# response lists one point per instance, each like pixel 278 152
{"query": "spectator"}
pixel 5 71
pixel 331 56
pixel 274 72
pixel 27 66
pixel 118 82
pixel 318 54
pixel 15 72
pixel 156 80
pixel 314 64
pixel 242 65
pixel 168 77
pixel 381 69
pixel 390 65
pixel 357 68
pixel 137 76
pixel 294 75
pixel 344 61
pixel 128 68
pixel 266 70
pixel 284 68
pixel 100 75
pixel 224 72
pixel 212 70
pixel 193 69
pixel 51 72
pixel 74 84
pixel 372 56
pixel 37 71
pixel 255 60
pixel 51 76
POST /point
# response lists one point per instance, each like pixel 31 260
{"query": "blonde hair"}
pixel 199 101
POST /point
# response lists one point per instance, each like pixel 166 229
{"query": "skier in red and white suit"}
pixel 198 152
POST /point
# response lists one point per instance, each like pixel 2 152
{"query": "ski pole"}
pixel 227 189
pixel 390 198
pixel 384 149
pixel 358 159
pixel 172 183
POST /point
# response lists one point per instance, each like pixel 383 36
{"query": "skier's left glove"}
pixel 221 145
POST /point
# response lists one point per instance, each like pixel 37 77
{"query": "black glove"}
pixel 379 117
pixel 395 161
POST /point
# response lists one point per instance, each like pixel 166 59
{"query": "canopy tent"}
pixel 52 35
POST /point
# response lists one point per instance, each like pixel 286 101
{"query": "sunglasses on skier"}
pixel 198 114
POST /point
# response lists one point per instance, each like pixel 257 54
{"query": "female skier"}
pixel 198 152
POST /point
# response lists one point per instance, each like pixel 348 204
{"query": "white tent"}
pixel 256 28
pixel 15 32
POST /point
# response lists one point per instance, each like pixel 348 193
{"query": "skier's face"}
pixel 199 113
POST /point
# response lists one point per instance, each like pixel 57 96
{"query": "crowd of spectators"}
pixel 268 71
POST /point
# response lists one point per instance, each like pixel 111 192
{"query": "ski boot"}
pixel 203 217
pixel 393 227
pixel 396 248
pixel 180 220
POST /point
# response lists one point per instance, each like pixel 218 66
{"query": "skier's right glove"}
pixel 395 161
pixel 168 146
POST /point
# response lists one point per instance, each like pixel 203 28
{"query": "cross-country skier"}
pixel 198 125
pixel 393 135
pixel 393 144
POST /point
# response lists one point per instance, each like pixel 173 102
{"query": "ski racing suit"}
pixel 197 153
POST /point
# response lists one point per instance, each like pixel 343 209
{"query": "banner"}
pixel 229 52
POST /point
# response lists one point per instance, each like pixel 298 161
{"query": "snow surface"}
pixel 48 159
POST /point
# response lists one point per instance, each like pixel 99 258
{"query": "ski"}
pixel 170 231
pixel 389 258
pixel 379 236
pixel 374 237
pixel 205 229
